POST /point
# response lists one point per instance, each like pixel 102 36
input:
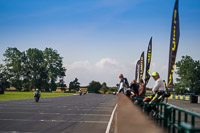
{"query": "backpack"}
pixel 126 83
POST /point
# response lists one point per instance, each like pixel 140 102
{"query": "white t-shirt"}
pixel 159 85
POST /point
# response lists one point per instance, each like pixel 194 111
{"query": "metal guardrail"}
pixel 173 118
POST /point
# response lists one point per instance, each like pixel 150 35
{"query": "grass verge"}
pixel 29 95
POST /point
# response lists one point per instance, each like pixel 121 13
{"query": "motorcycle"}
pixel 150 108
pixel 37 96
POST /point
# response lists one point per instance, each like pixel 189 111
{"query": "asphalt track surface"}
pixel 186 105
pixel 69 114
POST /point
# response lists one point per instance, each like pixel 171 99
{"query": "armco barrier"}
pixel 175 119
pixel 178 119
pixel 128 118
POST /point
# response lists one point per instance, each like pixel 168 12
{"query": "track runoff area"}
pixel 91 113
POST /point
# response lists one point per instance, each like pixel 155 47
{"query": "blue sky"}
pixel 100 38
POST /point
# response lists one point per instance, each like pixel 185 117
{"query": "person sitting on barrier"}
pixel 142 88
pixel 124 85
pixel 134 86
pixel 158 91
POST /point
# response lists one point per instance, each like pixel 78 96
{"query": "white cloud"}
pixel 79 64
pixel 105 70
pixel 106 62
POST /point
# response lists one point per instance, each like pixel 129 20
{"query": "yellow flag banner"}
pixel 141 65
pixel 148 61
pixel 136 69
pixel 174 39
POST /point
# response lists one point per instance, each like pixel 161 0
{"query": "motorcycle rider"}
pixel 158 91
pixel 37 94
pixel 159 87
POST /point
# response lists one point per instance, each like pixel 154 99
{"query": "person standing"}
pixel 142 88
pixel 80 92
pixel 124 85
pixel 134 86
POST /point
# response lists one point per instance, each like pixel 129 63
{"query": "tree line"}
pixel 34 68
pixel 97 87
pixel 188 71
pixel 93 87
pixel 31 69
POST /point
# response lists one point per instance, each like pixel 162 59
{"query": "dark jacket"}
pixel 135 88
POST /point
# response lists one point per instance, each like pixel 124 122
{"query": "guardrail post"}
pixel 193 120
pixel 179 121
pixel 166 116
pixel 173 120
pixel 186 117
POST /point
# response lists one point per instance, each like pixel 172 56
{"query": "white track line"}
pixel 40 113
pixel 16 132
pixel 110 121
pixel 58 121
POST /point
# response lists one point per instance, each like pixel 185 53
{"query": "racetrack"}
pixel 68 114
pixel 186 105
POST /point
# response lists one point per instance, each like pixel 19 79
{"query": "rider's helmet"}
pixel 154 74
pixel 36 89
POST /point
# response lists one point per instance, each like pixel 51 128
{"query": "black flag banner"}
pixel 141 65
pixel 136 69
pixel 174 39
pixel 148 61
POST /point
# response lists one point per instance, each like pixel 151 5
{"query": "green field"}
pixel 29 95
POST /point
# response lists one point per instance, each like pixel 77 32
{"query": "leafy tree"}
pixel 71 86
pixel 74 85
pixel 53 62
pixel 113 89
pixel 33 68
pixel 14 67
pixel 104 88
pixel 179 89
pixel 3 80
pixel 188 71
pixel 94 86
pixel 62 84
